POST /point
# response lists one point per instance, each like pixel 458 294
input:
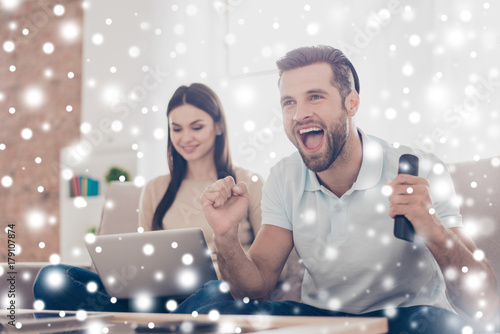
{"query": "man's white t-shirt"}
pixel 353 262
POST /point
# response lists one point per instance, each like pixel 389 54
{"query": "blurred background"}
pixel 428 72
pixel 84 88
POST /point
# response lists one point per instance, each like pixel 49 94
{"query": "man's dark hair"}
pixel 343 72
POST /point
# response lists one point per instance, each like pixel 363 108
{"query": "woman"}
pixel 198 154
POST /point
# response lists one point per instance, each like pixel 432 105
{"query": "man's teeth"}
pixel 302 131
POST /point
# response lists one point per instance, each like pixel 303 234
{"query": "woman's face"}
pixel 192 132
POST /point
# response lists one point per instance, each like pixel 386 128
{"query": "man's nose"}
pixel 302 112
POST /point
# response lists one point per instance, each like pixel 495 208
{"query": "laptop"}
pixel 173 263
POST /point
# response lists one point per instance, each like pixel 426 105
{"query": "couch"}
pixel 477 184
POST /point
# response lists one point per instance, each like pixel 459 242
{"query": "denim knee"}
pixel 211 292
pixel 216 286
pixel 49 280
pixel 429 319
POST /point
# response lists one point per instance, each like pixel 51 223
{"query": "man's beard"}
pixel 335 141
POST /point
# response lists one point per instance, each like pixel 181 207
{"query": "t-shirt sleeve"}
pixel 273 203
pixel 443 194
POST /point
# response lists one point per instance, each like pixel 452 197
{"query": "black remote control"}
pixel 403 229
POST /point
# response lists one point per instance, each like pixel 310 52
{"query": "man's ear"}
pixel 351 103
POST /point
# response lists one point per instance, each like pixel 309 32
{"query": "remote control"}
pixel 403 229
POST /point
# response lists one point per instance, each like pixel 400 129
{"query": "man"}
pixel 329 200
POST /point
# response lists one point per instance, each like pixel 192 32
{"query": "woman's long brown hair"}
pixel 204 98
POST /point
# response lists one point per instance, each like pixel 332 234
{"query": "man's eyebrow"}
pixel 287 97
pixel 311 91
pixel 317 91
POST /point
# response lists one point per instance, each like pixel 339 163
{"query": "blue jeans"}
pixel 403 320
pixel 63 287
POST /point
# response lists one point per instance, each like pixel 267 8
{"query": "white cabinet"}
pixel 76 219
pixel 75 224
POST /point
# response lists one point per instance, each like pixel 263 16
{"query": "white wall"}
pixel 428 70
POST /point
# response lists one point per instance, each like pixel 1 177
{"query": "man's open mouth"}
pixel 311 137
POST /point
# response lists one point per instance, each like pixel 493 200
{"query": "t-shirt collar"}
pixel 369 173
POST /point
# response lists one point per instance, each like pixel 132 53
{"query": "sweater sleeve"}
pixel 151 195
pixel 146 210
